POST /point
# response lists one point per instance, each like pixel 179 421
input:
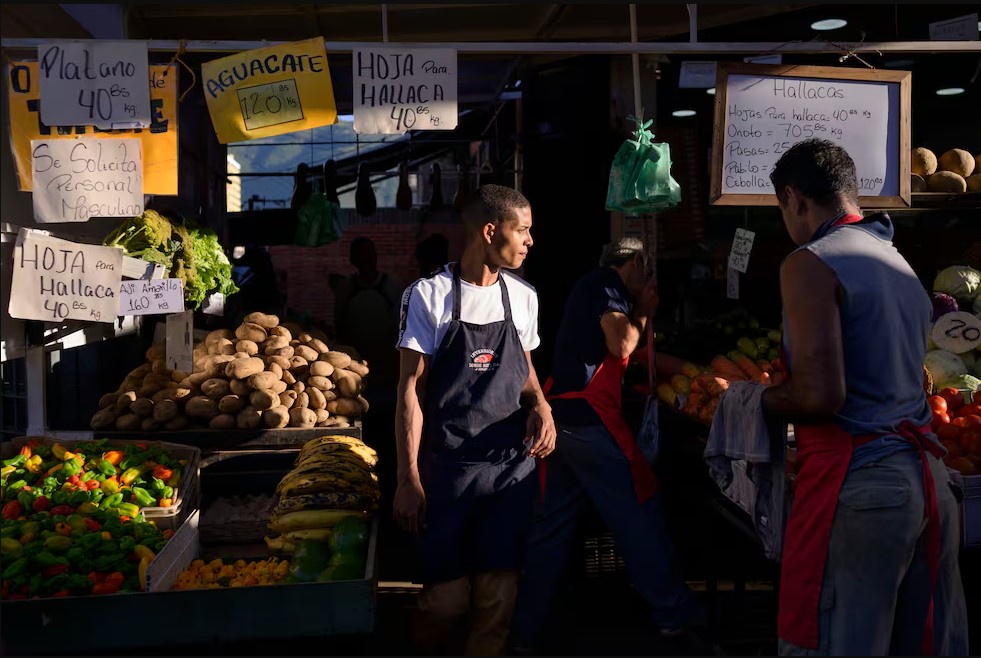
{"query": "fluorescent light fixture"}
pixel 517 84
pixel 829 24
pixel 683 113
pixel 950 91
pixel 346 118
pixel 710 91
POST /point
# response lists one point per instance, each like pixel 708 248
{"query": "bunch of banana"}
pixel 333 478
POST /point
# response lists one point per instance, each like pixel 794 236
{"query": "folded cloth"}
pixel 745 455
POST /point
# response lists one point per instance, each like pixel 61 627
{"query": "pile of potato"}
pixel 262 375
pixel 955 171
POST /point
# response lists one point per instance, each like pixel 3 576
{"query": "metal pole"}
pixel 635 62
pixel 385 23
pixel 569 47
pixel 692 23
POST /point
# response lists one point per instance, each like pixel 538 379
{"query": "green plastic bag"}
pixel 319 220
pixel 640 178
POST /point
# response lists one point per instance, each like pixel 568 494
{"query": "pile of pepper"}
pixel 72 522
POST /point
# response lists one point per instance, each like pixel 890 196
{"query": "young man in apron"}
pixel 870 555
pixel 596 458
pixel 471 420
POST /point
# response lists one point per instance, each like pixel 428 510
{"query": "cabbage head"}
pixel 959 281
pixel 944 366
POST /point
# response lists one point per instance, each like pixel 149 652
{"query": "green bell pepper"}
pixel 49 559
pixel 168 492
pixel 143 497
pixel 58 543
pixel 157 487
pixel 16 568
pixel 16 460
pixel 89 541
pixel 127 509
pixel 17 486
pixel 106 468
pixel 127 544
pixel 26 499
pixel 88 475
pixel 72 467
pixel 110 501
pixel 59 497
pixel 34 583
pixel 76 498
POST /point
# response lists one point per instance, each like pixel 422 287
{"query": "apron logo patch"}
pixel 482 360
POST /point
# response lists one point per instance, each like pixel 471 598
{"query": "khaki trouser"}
pixel 487 597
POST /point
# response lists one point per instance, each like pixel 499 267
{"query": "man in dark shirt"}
pixel 596 458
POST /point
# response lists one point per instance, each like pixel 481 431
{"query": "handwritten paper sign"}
pixel 397 89
pixel 957 332
pixel 76 180
pixel 759 117
pixel 155 297
pixel 179 348
pixel 963 28
pixel 742 244
pixel 159 140
pixel 56 280
pixel 94 83
pixel 269 91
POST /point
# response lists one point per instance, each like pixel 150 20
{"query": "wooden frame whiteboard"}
pixel 900 78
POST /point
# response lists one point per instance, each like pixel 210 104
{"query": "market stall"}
pixel 271 527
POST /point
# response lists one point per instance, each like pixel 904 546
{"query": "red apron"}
pixel 603 393
pixel 824 453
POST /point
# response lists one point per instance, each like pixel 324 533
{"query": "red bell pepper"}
pixel 97 577
pixel 63 510
pixel 61 593
pixel 162 472
pixel 12 510
pixel 55 570
pixel 92 524
pixel 41 504
pixel 106 588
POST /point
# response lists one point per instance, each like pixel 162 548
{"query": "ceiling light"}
pixel 517 84
pixel 710 91
pixel 950 91
pixel 829 24
pixel 347 118
pixel 683 113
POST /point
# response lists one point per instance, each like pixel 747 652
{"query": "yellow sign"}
pixel 269 91
pixel 159 140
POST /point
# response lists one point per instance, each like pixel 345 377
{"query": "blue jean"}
pixel 876 587
pixel 588 464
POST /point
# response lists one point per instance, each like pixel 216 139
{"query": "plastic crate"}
pixel 166 518
pixel 175 556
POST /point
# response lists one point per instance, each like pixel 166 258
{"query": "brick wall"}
pixel 395 234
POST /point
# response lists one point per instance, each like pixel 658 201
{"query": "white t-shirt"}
pixel 427 309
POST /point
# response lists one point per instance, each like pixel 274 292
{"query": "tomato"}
pixel 973 422
pixel 954 398
pixel 949 432
pixel 963 464
pixel 973 409
pixel 953 449
pixel 937 404
pixel 970 442
pixel 939 418
pixel 959 422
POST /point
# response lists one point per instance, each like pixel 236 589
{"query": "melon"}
pixel 974 183
pixel 957 161
pixel 917 184
pixel 922 161
pixel 946 181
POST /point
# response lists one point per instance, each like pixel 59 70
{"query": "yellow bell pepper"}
pixel 33 464
pixel 131 474
pixel 144 565
pixel 59 451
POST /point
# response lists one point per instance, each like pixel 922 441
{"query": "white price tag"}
pixel 958 332
pixel 732 284
pixel 742 244
pixel 214 304
pixel 963 28
pixel 151 297
pixel 180 337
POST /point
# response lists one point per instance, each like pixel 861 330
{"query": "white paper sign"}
pixel 697 75
pixel 732 283
pixel 179 343
pixel 75 180
pixel 214 304
pixel 56 280
pixel 764 59
pixel 957 332
pixel 94 83
pixel 398 89
pixel 153 297
pixel 742 244
pixel 766 115
pixel 964 28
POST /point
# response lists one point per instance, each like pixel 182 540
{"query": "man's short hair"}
pixel 820 169
pixel 433 249
pixel 621 251
pixel 492 204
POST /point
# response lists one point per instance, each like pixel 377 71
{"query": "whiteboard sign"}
pixel 742 244
pixel 75 180
pixel 762 111
pixel 398 89
pixel 94 83
pixel 56 280
pixel 964 28
pixel 151 297
pixel 179 348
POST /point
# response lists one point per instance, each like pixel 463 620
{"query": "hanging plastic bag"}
pixel 319 220
pixel 640 178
